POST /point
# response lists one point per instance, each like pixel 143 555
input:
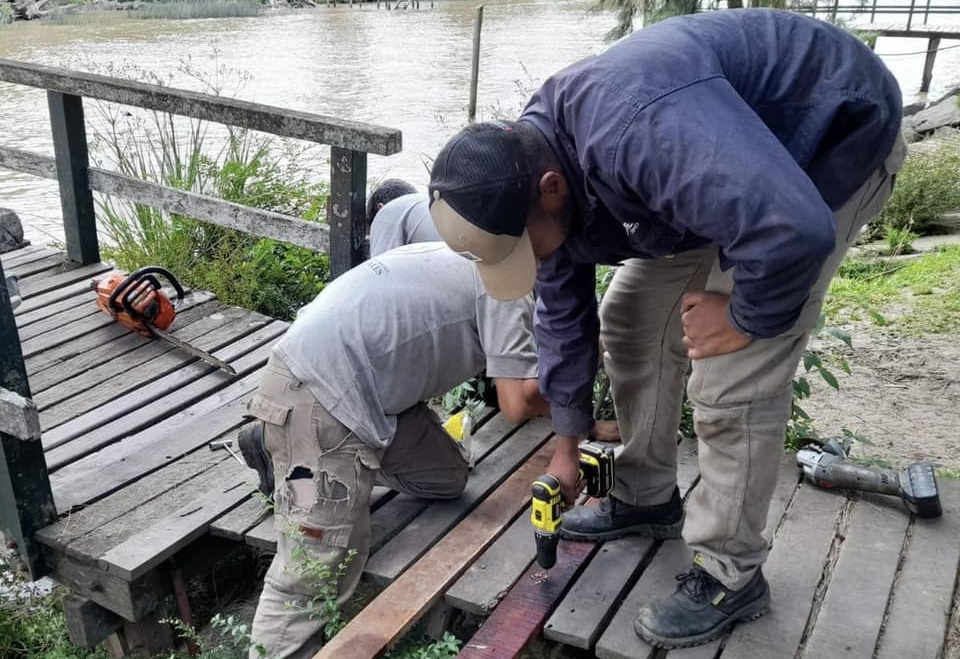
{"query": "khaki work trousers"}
pixel 741 400
pixel 324 477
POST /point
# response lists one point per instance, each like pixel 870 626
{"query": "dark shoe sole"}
pixel 250 441
pixel 654 531
pixel 746 613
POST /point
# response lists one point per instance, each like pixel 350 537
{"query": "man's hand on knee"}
pixel 707 331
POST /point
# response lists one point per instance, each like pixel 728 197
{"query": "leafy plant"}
pixel 471 394
pixel 231 639
pixel 800 427
pixel 927 187
pixel 324 582
pixel 31 620
pixel 416 646
pixel 899 239
pixel 261 274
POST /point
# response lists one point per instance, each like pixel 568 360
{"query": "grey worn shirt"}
pixel 402 221
pixel 402 328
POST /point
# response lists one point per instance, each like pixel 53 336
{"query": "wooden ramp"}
pixel 142 502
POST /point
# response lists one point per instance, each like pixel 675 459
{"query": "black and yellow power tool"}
pixel 596 471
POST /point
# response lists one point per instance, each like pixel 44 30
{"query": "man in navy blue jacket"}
pixel 728 161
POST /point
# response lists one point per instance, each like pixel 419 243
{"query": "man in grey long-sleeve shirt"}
pixel 728 160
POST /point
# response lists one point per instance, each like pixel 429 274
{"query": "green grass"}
pixel 909 298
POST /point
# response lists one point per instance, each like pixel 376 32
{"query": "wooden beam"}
pixel 26 501
pixel 88 623
pixel 265 224
pixel 346 213
pixel 269 119
pixel 398 607
pixel 76 200
pixel 522 613
pixel 932 46
pixel 18 416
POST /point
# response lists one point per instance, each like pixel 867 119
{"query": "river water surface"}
pixel 405 69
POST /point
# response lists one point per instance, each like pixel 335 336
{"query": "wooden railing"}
pixel 25 500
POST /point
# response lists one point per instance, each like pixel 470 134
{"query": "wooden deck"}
pixel 126 425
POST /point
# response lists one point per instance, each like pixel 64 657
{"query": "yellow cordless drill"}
pixel 596 471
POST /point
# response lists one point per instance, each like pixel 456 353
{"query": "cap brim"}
pixel 514 276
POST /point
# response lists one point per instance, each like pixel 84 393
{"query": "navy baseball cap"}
pixel 479 199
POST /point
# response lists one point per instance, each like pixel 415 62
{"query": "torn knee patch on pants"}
pixel 309 488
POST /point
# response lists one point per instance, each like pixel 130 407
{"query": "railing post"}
pixel 76 199
pixel 26 501
pixel 347 212
pixel 913 4
pixel 932 46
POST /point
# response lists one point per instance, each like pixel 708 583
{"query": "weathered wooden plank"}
pixel 18 416
pixel 401 604
pixel 488 580
pixel 347 213
pixel 56 324
pixel 234 524
pixel 918 616
pixel 88 623
pixel 146 361
pixel 81 343
pixel 154 410
pixel 37 266
pixel 521 615
pixel 793 569
pixel 24 255
pixel 265 224
pixel 103 472
pixel 165 363
pixel 76 200
pixel 852 610
pixel 619 640
pixel 256 116
pixel 88 531
pixel 148 548
pixel 198 307
pixel 132 601
pixel 49 281
pixel 589 605
pixel 80 299
pixel 54 338
pixel 384 566
pixel 45 300
pixel 263 535
pixel 26 504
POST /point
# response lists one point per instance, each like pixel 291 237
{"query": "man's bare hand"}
pixel 606 431
pixel 707 331
pixel 565 466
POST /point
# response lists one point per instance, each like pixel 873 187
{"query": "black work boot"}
pixel 700 610
pixel 250 440
pixel 614 519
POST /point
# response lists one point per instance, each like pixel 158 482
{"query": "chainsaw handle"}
pixel 140 274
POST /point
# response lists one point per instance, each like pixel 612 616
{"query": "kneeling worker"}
pixel 341 405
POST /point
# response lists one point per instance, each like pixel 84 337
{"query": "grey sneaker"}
pixel 700 610
pixel 614 519
pixel 250 440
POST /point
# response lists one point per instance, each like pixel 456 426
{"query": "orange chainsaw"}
pixel 137 302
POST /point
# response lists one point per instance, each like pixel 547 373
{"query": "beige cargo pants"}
pixel 324 478
pixel 741 400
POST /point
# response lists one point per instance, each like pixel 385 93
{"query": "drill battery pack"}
pixel 596 465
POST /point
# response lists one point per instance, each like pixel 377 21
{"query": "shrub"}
pixel 927 187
